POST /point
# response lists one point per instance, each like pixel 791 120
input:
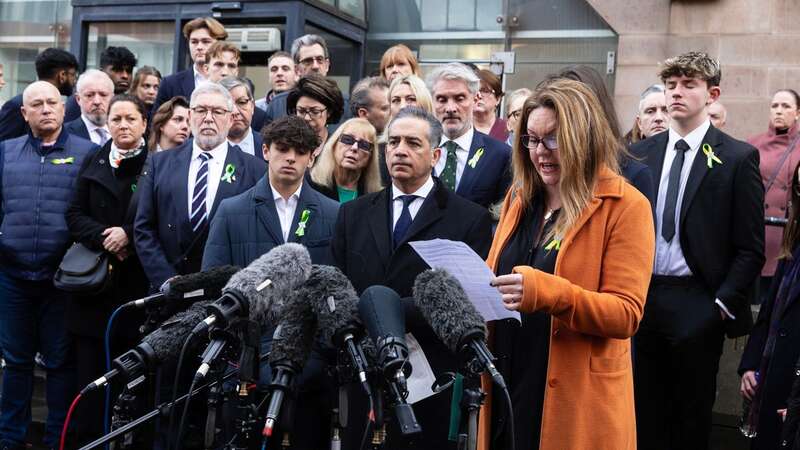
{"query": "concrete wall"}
pixel 756 41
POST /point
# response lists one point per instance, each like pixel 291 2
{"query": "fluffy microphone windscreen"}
pixel 333 301
pixel 291 343
pixel 168 339
pixel 286 267
pixel 210 281
pixel 441 300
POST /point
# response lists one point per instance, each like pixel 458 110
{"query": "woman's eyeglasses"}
pixel 531 142
pixel 349 139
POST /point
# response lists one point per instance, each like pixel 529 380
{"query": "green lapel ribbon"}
pixel 59 161
pixel 477 156
pixel 554 244
pixel 301 225
pixel 711 158
pixel 229 176
pixel 133 187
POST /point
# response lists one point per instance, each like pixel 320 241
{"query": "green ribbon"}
pixel 711 158
pixel 59 161
pixel 477 156
pixel 229 176
pixel 301 225
pixel 455 407
pixel 133 187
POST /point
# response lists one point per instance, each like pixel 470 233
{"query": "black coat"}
pixel 363 249
pixel 778 382
pixel 106 198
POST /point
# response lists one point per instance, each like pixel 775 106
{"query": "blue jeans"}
pixel 31 320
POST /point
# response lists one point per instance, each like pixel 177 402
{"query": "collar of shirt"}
pixel 464 141
pixel 91 127
pixel 286 209
pixel 247 144
pixel 198 77
pixel 277 195
pixel 422 192
pixel 218 153
pixel 694 138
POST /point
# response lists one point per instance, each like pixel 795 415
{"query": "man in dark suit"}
pixel 473 165
pixel 371 247
pixel 709 251
pixel 59 68
pixel 200 33
pixel 181 189
pixel 95 89
pixel 241 134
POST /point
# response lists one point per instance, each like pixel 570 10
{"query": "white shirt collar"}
pixel 91 127
pixel 197 75
pixel 694 138
pixel 464 141
pixel 218 153
pixel 422 192
pixel 247 144
pixel 277 195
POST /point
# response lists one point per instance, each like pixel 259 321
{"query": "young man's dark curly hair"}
pixel 118 58
pixel 292 132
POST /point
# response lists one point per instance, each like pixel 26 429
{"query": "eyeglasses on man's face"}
pixel 308 62
pixel 216 112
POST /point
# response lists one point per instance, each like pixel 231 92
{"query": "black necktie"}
pixel 668 218
pixel 404 221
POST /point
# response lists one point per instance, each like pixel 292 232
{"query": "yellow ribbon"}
pixel 711 158
pixel 554 244
pixel 59 161
pixel 474 160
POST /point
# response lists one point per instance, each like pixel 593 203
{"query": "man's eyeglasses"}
pixel 217 113
pixel 308 62
pixel 531 142
pixel 314 113
pixel 348 139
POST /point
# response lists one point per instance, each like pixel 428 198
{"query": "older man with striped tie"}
pixel 180 190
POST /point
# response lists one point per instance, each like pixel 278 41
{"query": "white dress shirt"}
pixel 198 77
pixel 215 167
pixel 286 209
pixel 464 142
pixel 247 145
pixel 414 206
pixel 94 135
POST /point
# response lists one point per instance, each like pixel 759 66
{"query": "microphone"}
pixel 441 300
pixel 291 347
pixel 208 283
pixel 381 311
pixel 162 344
pixel 258 290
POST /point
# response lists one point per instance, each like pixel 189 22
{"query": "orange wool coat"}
pixel 596 299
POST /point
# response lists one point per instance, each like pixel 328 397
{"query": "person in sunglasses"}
pixel 347 168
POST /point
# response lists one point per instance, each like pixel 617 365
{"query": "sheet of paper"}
pixel 470 270
pixel 422 377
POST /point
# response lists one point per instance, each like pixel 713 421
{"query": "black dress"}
pixel 522 350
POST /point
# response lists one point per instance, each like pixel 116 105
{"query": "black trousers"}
pixel 678 348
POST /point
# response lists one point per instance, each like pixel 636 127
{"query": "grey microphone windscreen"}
pixel 292 340
pixel 333 301
pixel 168 339
pixel 210 281
pixel 441 300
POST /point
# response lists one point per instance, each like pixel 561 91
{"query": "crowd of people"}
pixel 630 256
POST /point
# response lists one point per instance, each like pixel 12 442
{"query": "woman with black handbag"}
pixel 101 218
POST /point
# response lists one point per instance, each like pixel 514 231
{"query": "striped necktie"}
pixel 199 213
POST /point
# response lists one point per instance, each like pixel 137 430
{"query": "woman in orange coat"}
pixel 573 253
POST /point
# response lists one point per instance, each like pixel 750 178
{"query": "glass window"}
pixel 153 43
pixel 354 8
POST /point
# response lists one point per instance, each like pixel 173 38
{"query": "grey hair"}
pixel 454 71
pixel 360 97
pixel 210 87
pixel 514 95
pixel 231 83
pixel 94 74
pixel 652 89
pixel 434 126
pixel 308 40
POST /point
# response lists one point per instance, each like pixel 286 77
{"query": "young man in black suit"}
pixel 180 190
pixel 370 245
pixel 709 251
pixel 200 33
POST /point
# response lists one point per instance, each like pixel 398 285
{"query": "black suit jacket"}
pixel 181 83
pixel 78 128
pixel 362 247
pixel 163 233
pixel 721 219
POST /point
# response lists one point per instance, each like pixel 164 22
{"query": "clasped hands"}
pixel 116 242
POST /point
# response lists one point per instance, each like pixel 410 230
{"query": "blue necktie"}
pixel 199 213
pixel 404 221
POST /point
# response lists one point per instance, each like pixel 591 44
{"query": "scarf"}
pixel 116 156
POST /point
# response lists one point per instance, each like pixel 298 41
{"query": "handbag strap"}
pixel 781 162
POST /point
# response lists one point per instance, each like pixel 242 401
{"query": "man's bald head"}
pixel 43 109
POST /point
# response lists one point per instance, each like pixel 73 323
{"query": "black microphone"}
pixel 162 344
pixel 258 290
pixel 291 347
pixel 381 310
pixel 208 283
pixel 441 300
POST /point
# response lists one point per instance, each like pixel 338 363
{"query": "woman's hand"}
pixel 116 239
pixel 749 384
pixel 510 286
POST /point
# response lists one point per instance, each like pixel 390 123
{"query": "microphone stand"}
pixel 471 402
pixel 247 411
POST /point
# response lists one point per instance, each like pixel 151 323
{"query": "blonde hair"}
pixel 585 144
pixel 399 53
pixel 424 99
pixel 324 169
